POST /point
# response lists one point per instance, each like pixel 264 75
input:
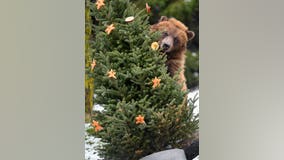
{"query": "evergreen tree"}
pixel 145 110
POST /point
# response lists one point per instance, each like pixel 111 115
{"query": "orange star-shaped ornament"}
pixel 100 3
pixel 97 126
pixel 156 82
pixel 109 28
pixel 139 119
pixel 93 64
pixel 111 74
pixel 148 8
pixel 95 123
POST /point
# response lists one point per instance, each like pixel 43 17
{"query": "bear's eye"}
pixel 175 40
pixel 165 34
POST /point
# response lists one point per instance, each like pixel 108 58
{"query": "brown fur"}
pixel 175 34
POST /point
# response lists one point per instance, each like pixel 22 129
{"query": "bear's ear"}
pixel 190 35
pixel 154 27
pixel 163 18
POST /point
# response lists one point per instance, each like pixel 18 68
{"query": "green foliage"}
pixel 127 50
pixel 192 69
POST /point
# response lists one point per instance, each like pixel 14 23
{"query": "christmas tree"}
pixel 145 110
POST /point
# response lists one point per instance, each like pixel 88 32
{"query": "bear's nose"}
pixel 165 46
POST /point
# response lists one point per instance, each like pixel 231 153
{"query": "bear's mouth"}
pixel 165 50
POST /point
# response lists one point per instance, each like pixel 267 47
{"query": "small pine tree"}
pixel 145 110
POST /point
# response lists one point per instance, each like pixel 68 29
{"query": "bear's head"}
pixel 174 35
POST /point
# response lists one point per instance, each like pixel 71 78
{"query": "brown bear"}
pixel 173 42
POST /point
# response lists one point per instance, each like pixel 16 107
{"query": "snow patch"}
pixel 90 144
pixel 98 108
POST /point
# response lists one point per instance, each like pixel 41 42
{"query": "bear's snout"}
pixel 166 44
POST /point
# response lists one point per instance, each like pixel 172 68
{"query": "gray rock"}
pixel 171 154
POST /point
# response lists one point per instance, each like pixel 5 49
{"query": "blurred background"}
pixel 187 11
